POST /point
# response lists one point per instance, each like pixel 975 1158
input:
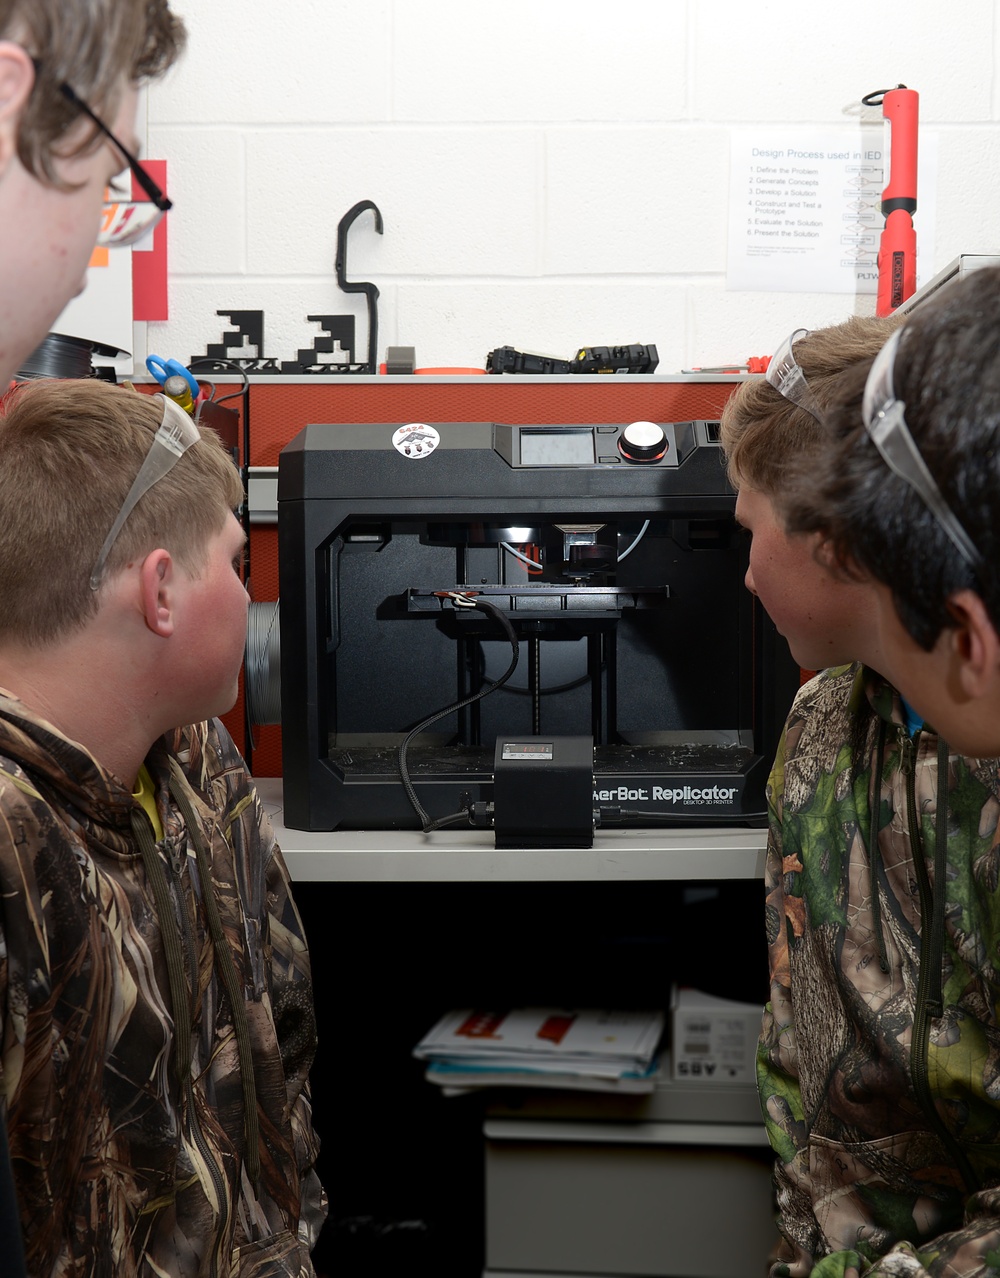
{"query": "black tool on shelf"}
pixel 588 359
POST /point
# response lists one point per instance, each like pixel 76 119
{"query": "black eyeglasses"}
pixel 125 221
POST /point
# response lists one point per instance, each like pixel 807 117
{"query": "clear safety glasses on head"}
pixel 788 379
pixel 175 435
pixel 885 421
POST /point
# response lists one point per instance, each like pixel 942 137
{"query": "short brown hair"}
pixel 95 46
pixel 69 452
pixel 762 432
pixel 946 374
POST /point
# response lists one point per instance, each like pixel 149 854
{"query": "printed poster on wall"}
pixel 805 209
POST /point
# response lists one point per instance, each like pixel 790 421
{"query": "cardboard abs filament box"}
pixel 713 1040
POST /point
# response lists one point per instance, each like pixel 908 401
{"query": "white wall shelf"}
pixel 451 856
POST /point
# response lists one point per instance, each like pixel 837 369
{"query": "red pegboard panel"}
pixel 278 412
pixel 265 755
pixel 263 562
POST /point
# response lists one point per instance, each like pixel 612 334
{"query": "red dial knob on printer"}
pixel 642 442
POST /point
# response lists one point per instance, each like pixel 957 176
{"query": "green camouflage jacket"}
pixel 156 1018
pixel 879 1060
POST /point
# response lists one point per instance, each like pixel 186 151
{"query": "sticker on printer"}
pixel 416 439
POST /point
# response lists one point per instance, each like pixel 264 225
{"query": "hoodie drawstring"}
pixel 874 856
pixel 172 949
pixel 176 976
pixel 935 942
pixel 231 982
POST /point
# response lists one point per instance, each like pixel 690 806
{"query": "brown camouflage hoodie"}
pixel 156 1016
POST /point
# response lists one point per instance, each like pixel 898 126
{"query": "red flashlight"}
pixel 897 251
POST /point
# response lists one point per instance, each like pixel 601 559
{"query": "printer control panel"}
pixel 640 443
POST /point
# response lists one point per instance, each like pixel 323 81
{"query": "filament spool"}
pixel 262 664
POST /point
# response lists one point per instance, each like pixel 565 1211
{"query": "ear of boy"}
pixel 17 78
pixel 956 685
pixel 157 592
pixel 975 646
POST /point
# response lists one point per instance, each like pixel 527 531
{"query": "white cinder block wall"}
pixel 551 173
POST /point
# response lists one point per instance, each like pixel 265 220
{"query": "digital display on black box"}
pixel 557 447
pixel 527 750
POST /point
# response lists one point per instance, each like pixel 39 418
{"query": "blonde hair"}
pixel 95 46
pixel 69 452
pixel 762 432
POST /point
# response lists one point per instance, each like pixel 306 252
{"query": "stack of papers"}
pixel 593 1050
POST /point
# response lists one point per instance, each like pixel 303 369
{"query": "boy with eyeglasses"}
pixel 156 1017
pixel 872 1173
pixel 54 165
pixel 69 75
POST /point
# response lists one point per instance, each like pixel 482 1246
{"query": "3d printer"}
pixel 415 559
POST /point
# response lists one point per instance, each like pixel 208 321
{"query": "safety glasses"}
pixel 885 421
pixel 788 379
pixel 175 435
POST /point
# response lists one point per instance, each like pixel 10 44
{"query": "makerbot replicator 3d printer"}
pixel 416 562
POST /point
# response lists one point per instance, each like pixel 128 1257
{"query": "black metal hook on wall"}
pixel 370 291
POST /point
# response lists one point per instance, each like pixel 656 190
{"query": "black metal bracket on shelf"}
pixel 369 290
pixel 248 333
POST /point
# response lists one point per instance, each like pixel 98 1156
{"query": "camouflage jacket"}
pixel 879 1061
pixel 156 1018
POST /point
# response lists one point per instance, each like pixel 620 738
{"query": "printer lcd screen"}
pixel 557 447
